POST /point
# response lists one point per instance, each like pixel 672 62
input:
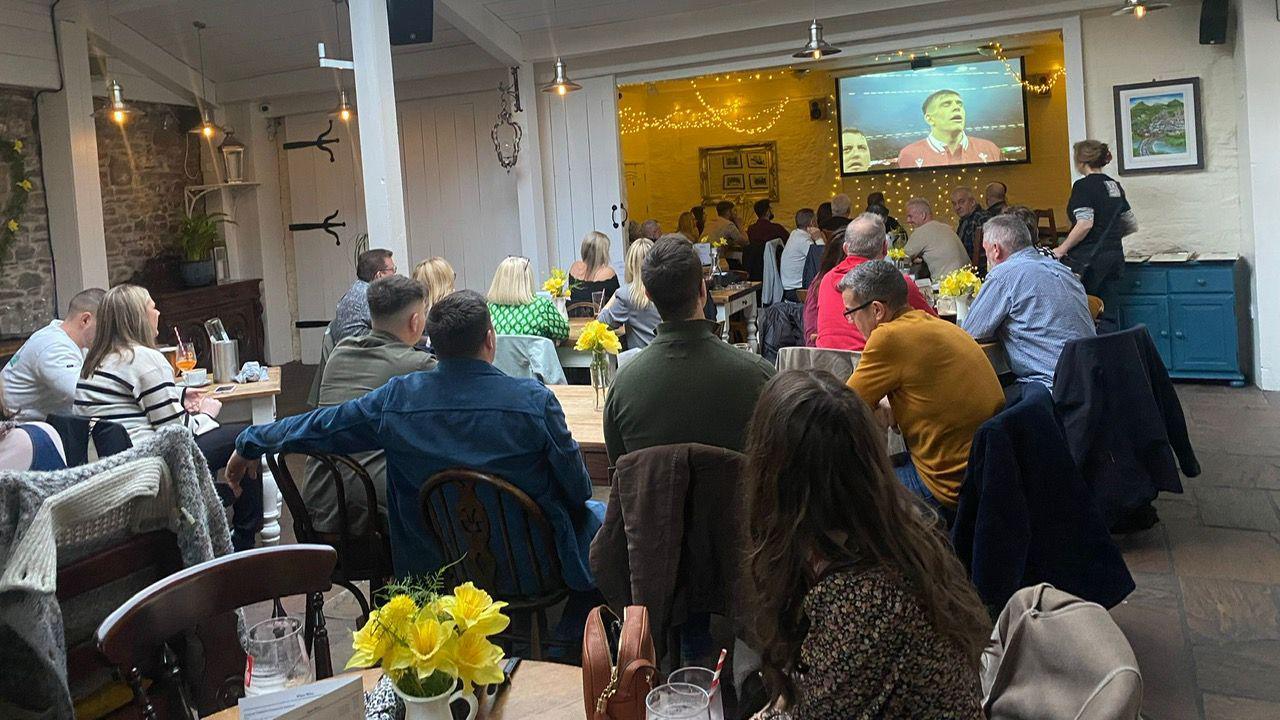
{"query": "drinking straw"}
pixel 715 678
pixel 178 335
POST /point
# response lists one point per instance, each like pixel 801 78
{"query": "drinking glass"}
pixel 186 357
pixel 702 678
pixel 677 701
pixel 277 658
pixel 597 299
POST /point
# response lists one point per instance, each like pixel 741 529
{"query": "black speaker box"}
pixel 817 109
pixel 1213 22
pixel 409 21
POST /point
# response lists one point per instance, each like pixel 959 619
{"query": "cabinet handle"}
pixel 1178 334
pixel 1164 333
pixel 1201 282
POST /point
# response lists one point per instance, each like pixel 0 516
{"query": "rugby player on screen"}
pixel 947 143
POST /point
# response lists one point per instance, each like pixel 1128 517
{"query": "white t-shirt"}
pixel 793 257
pixel 41 377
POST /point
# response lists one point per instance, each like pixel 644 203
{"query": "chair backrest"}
pixel 976 252
pixel 80 434
pixel 840 363
pixel 135 637
pixel 498 534
pixel 582 309
pixel 529 356
pixel 334 469
pixel 1048 232
pixel 1096 306
pixel 326 348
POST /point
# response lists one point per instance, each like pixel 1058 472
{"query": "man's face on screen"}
pixel 856 153
pixel 946 114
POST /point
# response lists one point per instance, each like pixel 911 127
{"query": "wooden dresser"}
pixel 237 302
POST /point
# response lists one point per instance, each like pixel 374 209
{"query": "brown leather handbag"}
pixel 618 663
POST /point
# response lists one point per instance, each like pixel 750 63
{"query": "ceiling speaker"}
pixel 1213 22
pixel 409 21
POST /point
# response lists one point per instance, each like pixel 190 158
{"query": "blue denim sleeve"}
pixel 342 429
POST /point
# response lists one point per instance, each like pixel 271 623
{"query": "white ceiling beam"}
pixel 121 41
pixel 406 91
pixel 483 28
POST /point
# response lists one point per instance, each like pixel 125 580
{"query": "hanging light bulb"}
pixel 561 85
pixel 344 111
pixel 1139 8
pixel 117 109
pixel 207 128
pixel 816 48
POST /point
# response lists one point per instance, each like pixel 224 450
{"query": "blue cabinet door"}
pixel 1152 311
pixel 1204 332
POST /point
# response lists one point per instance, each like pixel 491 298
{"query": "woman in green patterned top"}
pixel 514 307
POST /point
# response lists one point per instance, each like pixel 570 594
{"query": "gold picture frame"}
pixel 723 177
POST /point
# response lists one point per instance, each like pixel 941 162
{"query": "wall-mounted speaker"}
pixel 409 21
pixel 817 109
pixel 1213 22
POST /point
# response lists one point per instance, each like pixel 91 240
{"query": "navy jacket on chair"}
pixel 1026 515
pixel 1122 419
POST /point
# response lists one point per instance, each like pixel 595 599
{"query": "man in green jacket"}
pixel 357 366
pixel 688 386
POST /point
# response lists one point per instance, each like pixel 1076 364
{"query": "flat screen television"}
pixel 958 115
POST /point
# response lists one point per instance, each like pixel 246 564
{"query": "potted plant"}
pixel 197 236
pixel 434 648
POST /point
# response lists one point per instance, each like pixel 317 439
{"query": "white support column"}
pixel 73 190
pixel 1257 77
pixel 1073 63
pixel 528 170
pixel 379 130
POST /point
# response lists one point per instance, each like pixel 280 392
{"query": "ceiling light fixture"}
pixel 344 111
pixel 1139 8
pixel 561 85
pixel 816 48
pixel 207 128
pixel 117 109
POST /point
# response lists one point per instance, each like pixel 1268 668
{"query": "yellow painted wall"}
pixel 662 164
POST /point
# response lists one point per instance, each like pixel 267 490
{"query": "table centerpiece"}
pixel 963 285
pixel 598 340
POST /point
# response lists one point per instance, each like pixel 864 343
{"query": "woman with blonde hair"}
pixel 631 306
pixel 592 273
pixel 516 310
pixel 126 380
pixel 687 226
pixel 437 275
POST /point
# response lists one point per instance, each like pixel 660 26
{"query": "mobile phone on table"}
pixel 223 389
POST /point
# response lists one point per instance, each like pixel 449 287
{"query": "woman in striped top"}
pixel 125 379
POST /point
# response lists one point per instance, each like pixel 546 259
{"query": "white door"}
pixel 582 170
pixel 318 187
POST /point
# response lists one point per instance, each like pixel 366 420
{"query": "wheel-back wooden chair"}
pixel 139 638
pixel 1047 231
pixel 364 554
pixel 471 515
pixel 582 309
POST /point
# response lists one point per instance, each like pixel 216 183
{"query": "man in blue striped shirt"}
pixel 1031 303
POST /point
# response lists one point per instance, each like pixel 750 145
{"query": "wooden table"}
pixel 539 691
pixel 256 403
pixel 564 350
pixel 586 424
pixel 738 300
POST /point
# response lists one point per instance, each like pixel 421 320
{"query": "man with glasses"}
pixel 923 374
pixel 351 318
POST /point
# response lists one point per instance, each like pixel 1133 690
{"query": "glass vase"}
pixel 562 306
pixel 600 377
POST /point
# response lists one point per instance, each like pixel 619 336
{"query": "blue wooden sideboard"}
pixel 1190 309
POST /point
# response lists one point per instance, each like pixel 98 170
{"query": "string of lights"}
pixel 1042 88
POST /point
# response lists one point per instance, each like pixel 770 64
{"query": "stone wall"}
pixel 26 268
pixel 143 168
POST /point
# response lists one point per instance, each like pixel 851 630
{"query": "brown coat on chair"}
pixel 674 535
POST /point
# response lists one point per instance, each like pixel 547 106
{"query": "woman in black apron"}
pixel 1100 217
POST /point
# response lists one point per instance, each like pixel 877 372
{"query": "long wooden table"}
pixel 730 301
pixel 538 691
pixel 586 424
pixel 570 357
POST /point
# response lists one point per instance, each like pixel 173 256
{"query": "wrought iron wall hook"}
pixel 327 225
pixel 319 143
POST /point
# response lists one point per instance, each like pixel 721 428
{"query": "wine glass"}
pixel 677 701
pixel 186 357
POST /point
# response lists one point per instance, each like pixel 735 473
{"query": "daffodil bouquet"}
pixel 963 282
pixel 558 284
pixel 426 641
pixel 897 254
pixel 598 338
pixel 718 242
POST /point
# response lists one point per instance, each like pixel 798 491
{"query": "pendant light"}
pixel 117 109
pixel 344 111
pixel 816 48
pixel 1139 8
pixel 207 128
pixel 561 85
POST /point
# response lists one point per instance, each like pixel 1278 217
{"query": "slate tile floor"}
pixel 1204 621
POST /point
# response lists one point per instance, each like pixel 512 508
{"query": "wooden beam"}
pixel 484 28
pixel 174 74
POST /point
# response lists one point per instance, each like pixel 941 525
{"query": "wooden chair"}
pixel 139 637
pixel 976 252
pixel 1096 306
pixel 582 309
pixel 1048 232
pixel 363 555
pixel 457 507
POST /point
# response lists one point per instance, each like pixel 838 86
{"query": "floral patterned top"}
pixel 872 653
pixel 539 317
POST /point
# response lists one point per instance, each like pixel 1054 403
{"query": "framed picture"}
pixel 723 177
pixel 1158 126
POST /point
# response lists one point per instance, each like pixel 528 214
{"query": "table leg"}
pixel 749 314
pixel 264 411
pixel 722 317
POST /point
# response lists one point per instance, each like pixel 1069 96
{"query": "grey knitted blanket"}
pixel 32 643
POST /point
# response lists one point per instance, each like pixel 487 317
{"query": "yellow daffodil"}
pixel 17 146
pixel 473 609
pixel 597 337
pixel 479 662
pixel 719 242
pixel 25 185
pixel 371 643
pixel 558 284
pixel 429 648
pixel 12 225
pixel 961 282
pixel 897 254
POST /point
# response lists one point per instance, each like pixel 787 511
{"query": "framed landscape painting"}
pixel 1158 126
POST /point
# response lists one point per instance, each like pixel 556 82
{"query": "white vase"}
pixel 562 306
pixel 436 708
pixel 962 307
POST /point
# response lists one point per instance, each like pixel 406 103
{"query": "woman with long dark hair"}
pixel 861 607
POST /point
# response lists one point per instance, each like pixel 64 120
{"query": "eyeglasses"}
pixel 851 311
